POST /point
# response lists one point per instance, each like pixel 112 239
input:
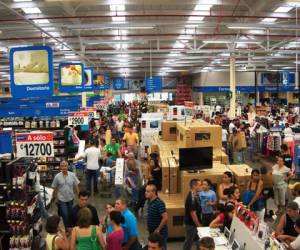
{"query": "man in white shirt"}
pixel 218 109
pixel 231 126
pixel 92 155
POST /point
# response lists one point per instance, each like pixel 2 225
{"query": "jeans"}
pixel 279 195
pixel 41 206
pixel 207 219
pixel 65 210
pixel 190 236
pixel 239 157
pixel 91 175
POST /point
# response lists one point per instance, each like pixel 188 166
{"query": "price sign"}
pixel 36 144
pixel 92 112
pixel 78 118
pixel 100 105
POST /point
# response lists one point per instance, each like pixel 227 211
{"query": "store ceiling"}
pixel 134 38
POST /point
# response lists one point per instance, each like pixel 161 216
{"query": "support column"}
pixel 257 98
pixel 201 101
pixel 232 109
pixel 83 99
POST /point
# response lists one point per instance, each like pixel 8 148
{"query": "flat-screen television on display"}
pixel 191 159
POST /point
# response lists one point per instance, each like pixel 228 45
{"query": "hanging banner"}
pixel 71 77
pixel 35 144
pixel 88 79
pixel 118 83
pixel 101 82
pixel 153 84
pixel 31 71
pixel 78 118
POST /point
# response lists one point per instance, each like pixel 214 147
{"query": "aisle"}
pixel 100 202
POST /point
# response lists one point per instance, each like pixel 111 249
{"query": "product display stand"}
pixel 22 214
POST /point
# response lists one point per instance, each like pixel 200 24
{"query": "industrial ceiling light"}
pixel 283 9
pixel 202 7
pixel 41 21
pixel 269 20
pixel 117 7
pixel 196 18
pixel 216 41
pixel 178 45
pixel 18 1
pixel 118 19
pixel 32 10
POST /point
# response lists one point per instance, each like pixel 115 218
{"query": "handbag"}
pixel 94 240
pixel 53 242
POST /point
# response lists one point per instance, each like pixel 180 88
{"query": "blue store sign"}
pixel 31 71
pixel 71 77
pixel 274 89
pixel 153 84
pixel 118 83
pixel 88 79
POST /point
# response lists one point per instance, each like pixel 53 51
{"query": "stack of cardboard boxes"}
pixel 175 183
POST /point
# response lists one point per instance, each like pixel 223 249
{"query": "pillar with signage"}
pixel 231 113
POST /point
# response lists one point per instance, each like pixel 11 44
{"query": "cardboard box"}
pixel 215 175
pixel 176 211
pixel 174 170
pixel 220 155
pixel 165 174
pixel 168 130
pixel 199 134
pixel 242 175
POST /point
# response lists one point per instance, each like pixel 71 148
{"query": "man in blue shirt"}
pixel 130 226
pixel 157 217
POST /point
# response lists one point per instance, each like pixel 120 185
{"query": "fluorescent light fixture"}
pixel 188 31
pixel 196 18
pixel 184 38
pixel 225 54
pixel 269 20
pixel 117 7
pixel 68 56
pixel 191 25
pixel 203 7
pixel 119 19
pixel 246 27
pixel 247 42
pixel 216 41
pixel 32 10
pixel 178 45
pixel 17 1
pixel 120 32
pixel 54 33
pixel 123 55
pixel 41 21
pixel 121 46
pixel 283 9
pixel 165 69
pixel 175 54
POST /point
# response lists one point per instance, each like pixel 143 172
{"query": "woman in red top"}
pixel 124 149
pixel 114 240
pixel 224 219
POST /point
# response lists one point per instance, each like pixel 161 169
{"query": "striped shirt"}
pixel 156 208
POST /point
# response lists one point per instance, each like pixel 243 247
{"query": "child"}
pixel 116 237
pixel 208 199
